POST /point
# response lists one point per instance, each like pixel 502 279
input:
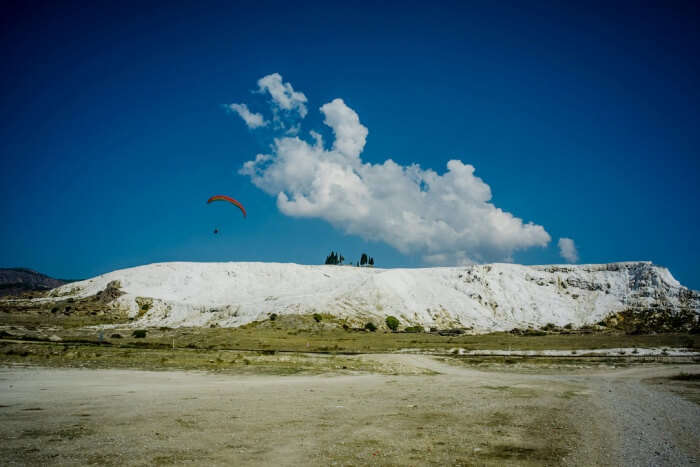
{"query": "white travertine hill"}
pixel 485 298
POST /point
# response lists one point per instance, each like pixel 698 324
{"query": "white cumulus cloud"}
pixel 283 94
pixel 567 250
pixel 445 217
pixel 253 120
pixel 350 134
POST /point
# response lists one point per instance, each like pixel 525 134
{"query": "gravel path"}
pixel 651 426
pixel 635 423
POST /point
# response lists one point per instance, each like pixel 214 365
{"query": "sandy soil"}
pixel 458 416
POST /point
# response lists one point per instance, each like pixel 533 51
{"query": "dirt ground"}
pixel 430 412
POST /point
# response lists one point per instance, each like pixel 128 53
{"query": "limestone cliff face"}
pixel 650 299
pixel 656 303
pixel 636 296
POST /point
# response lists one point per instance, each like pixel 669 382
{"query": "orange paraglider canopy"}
pixel 230 200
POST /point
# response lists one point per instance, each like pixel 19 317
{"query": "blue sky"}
pixel 581 120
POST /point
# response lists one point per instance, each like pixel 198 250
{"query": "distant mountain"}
pixel 14 281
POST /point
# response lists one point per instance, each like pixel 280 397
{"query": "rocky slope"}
pixel 14 281
pixel 479 298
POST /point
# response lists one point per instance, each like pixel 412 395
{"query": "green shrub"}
pixel 116 336
pixel 392 322
pixel 414 329
pixel 139 333
pixel 370 326
pixel 318 317
pixel 273 316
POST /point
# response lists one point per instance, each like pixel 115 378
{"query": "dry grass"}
pixel 686 377
pixel 324 337
pixel 219 361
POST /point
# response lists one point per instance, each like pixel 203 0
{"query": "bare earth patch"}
pixel 426 412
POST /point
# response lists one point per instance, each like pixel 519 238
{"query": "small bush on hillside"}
pixel 116 336
pixel 414 329
pixel 335 258
pixel 371 327
pixel 569 326
pixel 139 333
pixel 392 322
pixel 318 317
pixel 273 316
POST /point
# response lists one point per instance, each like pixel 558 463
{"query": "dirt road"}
pixel 458 416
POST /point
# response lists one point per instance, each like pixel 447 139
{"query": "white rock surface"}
pixel 482 297
pixel 617 352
